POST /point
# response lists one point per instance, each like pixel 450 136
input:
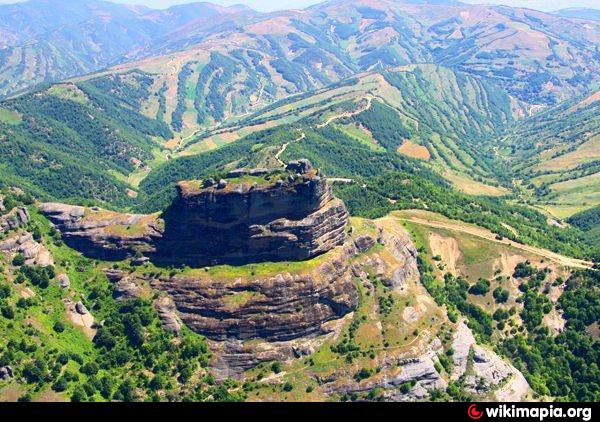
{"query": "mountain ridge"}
pixel 467 30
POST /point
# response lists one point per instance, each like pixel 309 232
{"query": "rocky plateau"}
pixel 249 216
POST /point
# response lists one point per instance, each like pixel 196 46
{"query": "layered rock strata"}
pixel 280 307
pixel 250 216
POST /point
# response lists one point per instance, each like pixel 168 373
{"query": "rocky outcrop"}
pixel 6 373
pixel 280 307
pixel 289 314
pixel 104 234
pixel 126 289
pixel 16 218
pixel 63 281
pixel 251 216
pixel 484 372
pixel 34 252
pixel 167 312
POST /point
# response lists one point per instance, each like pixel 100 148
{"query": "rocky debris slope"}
pixel 23 243
pixel 250 216
pixel 483 372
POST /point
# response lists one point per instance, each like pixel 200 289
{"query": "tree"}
pixel 500 295
pixel 481 287
pixel 78 394
pixel 18 260
pixel 89 368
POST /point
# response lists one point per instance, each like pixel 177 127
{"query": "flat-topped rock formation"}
pixel 249 216
pixel 254 216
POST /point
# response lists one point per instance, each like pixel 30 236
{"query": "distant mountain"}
pixel 50 40
pixel 197 77
pixel 579 12
pixel 246 63
pixel 537 57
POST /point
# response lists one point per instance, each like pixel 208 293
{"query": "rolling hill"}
pixel 79 142
pixel 425 112
pixel 537 57
pixel 580 13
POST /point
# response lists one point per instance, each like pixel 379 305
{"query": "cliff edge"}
pixel 249 216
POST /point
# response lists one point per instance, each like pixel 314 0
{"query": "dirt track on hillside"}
pixel 488 235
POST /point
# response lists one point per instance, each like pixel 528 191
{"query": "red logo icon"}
pixel 474 413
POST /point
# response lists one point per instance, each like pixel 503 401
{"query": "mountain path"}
pixel 347 113
pixel 284 147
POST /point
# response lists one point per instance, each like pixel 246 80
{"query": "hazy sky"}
pixel 268 5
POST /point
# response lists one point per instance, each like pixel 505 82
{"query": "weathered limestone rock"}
pixel 63 281
pixel 103 234
pixel 114 275
pixel 264 217
pixel 463 341
pixel 255 216
pixel 489 372
pixel 126 289
pixel 167 312
pixel 16 218
pixel 81 309
pixel 34 252
pixel 6 372
pixel 364 243
pixel 276 308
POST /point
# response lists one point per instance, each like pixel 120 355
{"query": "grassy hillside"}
pixel 222 64
pixel 79 142
pixel 425 112
pixel 51 41
pixel 555 156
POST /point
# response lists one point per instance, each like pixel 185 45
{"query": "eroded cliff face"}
pixel 250 216
pixel 278 307
pixel 104 234
pixel 253 216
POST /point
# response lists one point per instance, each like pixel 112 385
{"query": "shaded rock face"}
pixel 255 216
pixel 278 308
pixel 247 221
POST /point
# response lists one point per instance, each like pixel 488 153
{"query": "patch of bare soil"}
pixel 413 150
pixel 447 249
